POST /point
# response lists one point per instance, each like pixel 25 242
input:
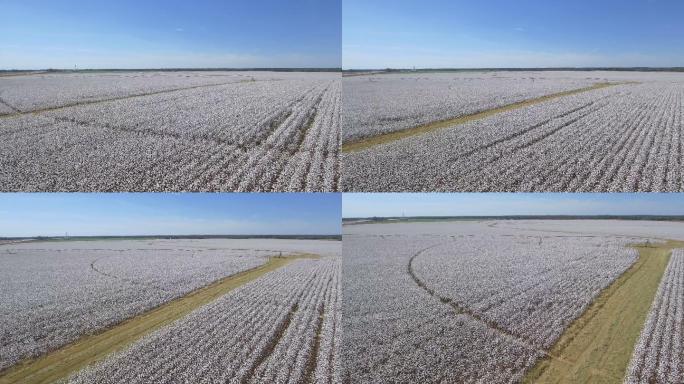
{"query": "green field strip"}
pixel 63 362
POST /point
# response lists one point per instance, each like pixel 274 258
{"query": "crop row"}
pixel 395 331
pixel 623 138
pixel 532 287
pixel 52 296
pixel 281 328
pixel 657 355
pixel 380 104
pixel 276 135
pixel 38 92
pixel 464 302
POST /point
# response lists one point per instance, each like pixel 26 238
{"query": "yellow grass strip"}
pixel 358 145
pixel 598 346
pixel 61 363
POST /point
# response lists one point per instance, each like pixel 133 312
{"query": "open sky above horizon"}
pixel 511 34
pixel 129 214
pixel 509 204
pixel 41 34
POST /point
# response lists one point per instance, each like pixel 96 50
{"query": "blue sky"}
pixel 502 204
pixel 53 214
pixel 37 34
pixel 503 33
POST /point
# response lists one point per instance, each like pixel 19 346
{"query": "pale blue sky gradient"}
pixel 126 214
pixel 40 34
pixel 504 204
pixel 502 33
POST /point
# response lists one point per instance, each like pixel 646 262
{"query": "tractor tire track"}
pixel 127 97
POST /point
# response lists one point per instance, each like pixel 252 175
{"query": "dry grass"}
pixel 365 143
pixel 597 347
pixel 61 363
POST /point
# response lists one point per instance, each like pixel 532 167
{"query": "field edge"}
pixel 372 141
pixel 598 345
pixel 62 362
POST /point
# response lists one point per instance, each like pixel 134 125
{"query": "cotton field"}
pixel 283 328
pixel 170 131
pixel 385 103
pixel 658 353
pixel 623 137
pixel 531 292
pixel 54 293
pixel 472 301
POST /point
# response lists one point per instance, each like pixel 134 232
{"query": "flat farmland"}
pixel 170 131
pixel 657 356
pixel 504 302
pixel 513 131
pixel 83 310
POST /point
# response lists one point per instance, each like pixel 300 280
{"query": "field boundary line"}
pixel 130 281
pixel 5 103
pixel 368 142
pixel 99 101
pixel 546 355
pixel 462 310
pixel 578 335
pixel 64 361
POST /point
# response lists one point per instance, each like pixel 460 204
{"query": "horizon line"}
pixel 172 236
pixel 518 215
pixel 172 69
pixel 514 68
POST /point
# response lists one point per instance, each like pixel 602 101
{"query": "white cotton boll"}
pixel 620 138
pixel 470 301
pixel 161 132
